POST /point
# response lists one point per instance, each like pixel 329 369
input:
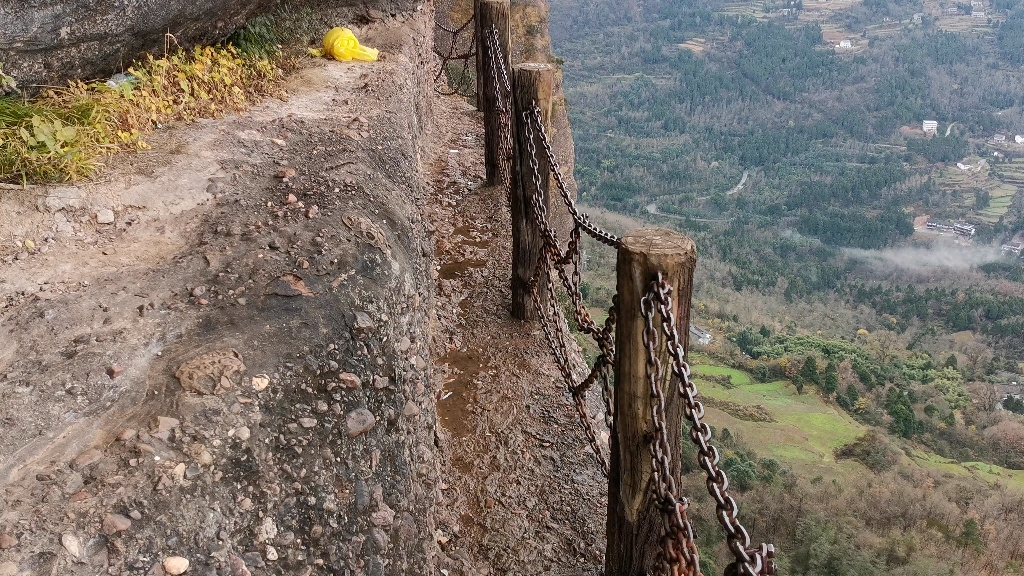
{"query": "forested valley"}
pixel 787 139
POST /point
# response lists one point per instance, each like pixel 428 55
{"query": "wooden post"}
pixel 634 522
pixel 479 39
pixel 530 82
pixel 493 14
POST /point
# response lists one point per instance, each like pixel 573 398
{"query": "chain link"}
pixel 450 45
pixel 678 554
pixel 502 91
pixel 748 561
pixel 554 261
pixel 582 219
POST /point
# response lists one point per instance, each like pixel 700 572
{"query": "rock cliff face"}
pixel 45 42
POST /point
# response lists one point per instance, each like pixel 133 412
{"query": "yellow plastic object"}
pixel 341 44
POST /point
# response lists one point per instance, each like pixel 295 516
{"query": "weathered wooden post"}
pixel 531 83
pixel 634 520
pixel 478 39
pixel 493 14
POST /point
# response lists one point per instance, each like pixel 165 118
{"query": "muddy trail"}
pixel 279 343
pixel 525 493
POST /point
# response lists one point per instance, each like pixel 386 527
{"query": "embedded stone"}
pixel 114 523
pixel 359 421
pixel 175 565
pixel 211 373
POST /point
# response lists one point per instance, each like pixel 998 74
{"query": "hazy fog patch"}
pixel 920 259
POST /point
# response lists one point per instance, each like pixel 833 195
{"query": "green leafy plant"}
pixel 50 136
pixel 257 39
pixel 63 133
pixel 7 83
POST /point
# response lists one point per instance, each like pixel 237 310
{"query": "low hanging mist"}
pixel 924 258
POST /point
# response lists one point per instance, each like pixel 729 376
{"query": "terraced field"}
pixel 965 23
pixel 807 430
pixel 1013 172
pixel 988 472
pixel 998 182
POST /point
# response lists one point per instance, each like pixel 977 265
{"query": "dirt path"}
pixel 308 318
pixel 738 187
pixel 524 493
pixel 276 265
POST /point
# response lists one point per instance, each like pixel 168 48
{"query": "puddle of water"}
pixel 466 232
pixel 453 270
pixel 454 410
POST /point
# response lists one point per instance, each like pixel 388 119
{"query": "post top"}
pixel 658 241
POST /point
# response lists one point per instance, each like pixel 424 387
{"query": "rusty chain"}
pixel 581 219
pixel 554 261
pixel 449 44
pixel 678 554
pixel 503 101
pixel 748 561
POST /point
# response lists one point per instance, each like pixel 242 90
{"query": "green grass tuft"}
pixel 257 39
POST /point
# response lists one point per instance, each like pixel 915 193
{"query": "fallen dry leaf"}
pixel 289 285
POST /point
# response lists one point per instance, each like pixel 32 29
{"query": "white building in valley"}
pixel 930 126
pixel 1015 248
pixel 700 336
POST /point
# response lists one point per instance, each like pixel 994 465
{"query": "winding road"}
pixel 652 208
pixel 738 187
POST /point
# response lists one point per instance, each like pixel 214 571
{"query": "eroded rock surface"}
pixel 50 41
pixel 212 373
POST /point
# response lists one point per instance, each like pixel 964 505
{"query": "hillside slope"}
pixel 883 505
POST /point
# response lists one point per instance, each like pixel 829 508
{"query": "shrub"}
pixel 871 449
pixel 830 380
pixel 1015 405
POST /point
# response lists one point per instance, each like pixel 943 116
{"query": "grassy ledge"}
pixel 63 134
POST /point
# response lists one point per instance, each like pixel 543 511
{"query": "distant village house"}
pixel 1019 139
pixel 958 228
pixel 999 138
pixel 930 126
pixel 1008 397
pixel 845 44
pixel 1015 248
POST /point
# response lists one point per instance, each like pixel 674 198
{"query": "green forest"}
pixel 799 167
pixel 658 123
